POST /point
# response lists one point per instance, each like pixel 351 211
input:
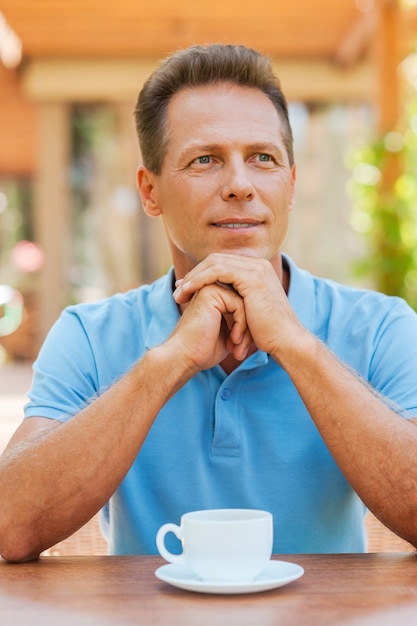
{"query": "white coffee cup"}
pixel 221 544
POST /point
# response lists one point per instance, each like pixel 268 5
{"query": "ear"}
pixel 293 179
pixel 147 182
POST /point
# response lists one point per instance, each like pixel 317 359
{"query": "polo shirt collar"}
pixel 301 294
pixel 163 310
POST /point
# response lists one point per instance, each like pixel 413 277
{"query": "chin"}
pixel 239 250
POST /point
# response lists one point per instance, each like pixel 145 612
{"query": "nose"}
pixel 237 184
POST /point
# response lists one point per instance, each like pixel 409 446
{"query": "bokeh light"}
pixel 3 202
pixel 3 356
pixel 27 256
pixel 366 174
pixel 394 142
pixel 11 309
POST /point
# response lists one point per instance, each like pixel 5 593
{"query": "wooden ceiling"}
pixel 75 41
pixel 325 29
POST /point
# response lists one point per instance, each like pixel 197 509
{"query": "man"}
pixel 237 380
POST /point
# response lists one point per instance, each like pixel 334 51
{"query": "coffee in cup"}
pixel 222 545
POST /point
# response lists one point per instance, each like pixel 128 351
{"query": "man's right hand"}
pixel 213 325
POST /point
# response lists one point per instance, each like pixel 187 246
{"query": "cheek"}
pixel 286 197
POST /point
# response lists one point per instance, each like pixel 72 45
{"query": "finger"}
pixel 232 304
pixel 239 338
pixel 236 272
pixel 240 350
pixel 214 270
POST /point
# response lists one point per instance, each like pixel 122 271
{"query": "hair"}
pixel 194 67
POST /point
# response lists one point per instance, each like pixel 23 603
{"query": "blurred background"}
pixel 71 225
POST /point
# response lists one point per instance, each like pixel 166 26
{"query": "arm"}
pixel 52 475
pixel 373 446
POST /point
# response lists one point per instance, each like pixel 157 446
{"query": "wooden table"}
pixel 349 589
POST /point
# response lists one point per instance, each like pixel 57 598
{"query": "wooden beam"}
pixel 322 81
pixel 387 59
pixel 357 40
pixel 116 80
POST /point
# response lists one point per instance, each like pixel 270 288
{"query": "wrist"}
pixel 170 359
pixel 297 351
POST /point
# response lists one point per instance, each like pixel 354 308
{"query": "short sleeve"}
pixel 65 375
pixel 392 368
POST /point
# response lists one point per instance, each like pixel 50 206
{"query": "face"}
pixel 226 184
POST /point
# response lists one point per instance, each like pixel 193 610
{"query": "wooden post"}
pixel 52 220
pixel 387 60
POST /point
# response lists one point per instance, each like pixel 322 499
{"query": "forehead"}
pixel 223 108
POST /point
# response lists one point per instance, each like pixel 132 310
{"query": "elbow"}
pixel 410 526
pixel 17 557
pixel 16 546
pixel 18 554
pixel 411 535
pixel 408 529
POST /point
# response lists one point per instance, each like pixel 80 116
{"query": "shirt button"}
pixel 226 393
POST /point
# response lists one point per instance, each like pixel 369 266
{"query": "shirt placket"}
pixel 226 436
pixel 228 408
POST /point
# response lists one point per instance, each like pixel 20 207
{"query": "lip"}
pixel 237 224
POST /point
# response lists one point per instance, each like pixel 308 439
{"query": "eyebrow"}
pixel 266 146
pixel 262 146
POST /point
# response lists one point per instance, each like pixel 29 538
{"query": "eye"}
pixel 265 157
pixel 264 160
pixel 203 160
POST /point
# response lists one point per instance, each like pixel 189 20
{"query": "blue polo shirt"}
pixel 238 440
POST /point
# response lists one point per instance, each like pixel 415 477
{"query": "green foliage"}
pixel 385 207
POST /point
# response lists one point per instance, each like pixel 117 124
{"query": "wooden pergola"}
pixel 97 50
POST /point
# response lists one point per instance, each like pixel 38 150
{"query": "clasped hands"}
pixel 229 304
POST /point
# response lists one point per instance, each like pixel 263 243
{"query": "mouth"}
pixel 237 224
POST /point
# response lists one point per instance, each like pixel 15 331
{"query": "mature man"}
pixel 237 380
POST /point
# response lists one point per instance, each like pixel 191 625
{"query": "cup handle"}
pixel 160 542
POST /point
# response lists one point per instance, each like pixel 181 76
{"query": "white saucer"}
pixel 276 574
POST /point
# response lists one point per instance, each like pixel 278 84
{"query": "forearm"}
pixel 54 481
pixel 373 445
